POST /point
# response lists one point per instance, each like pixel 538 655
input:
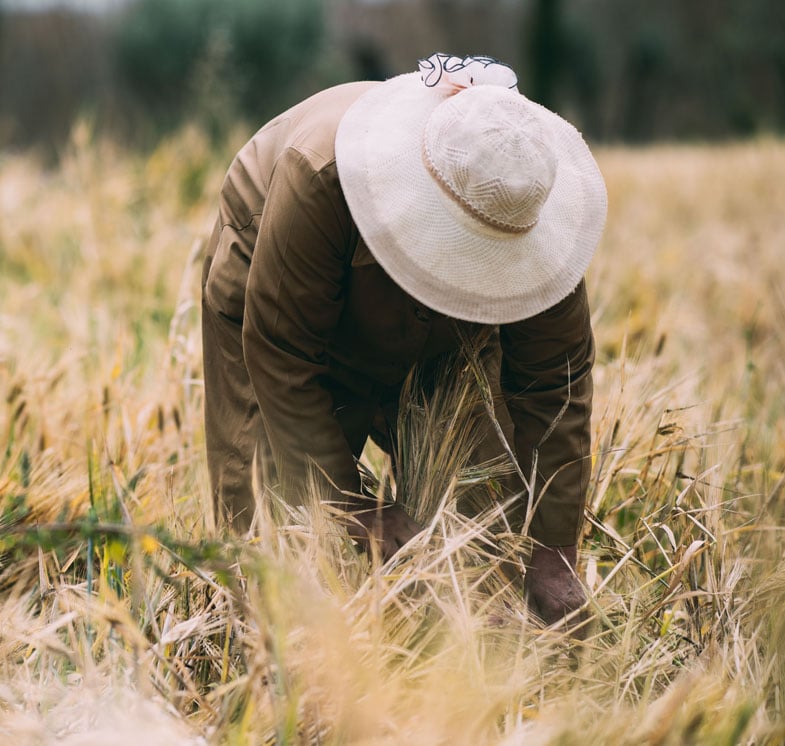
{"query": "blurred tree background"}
pixel 631 70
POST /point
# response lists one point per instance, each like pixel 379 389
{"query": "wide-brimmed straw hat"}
pixel 478 202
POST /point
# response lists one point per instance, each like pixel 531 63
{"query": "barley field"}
pixel 126 616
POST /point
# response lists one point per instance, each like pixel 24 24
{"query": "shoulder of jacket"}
pixel 312 125
pixel 318 161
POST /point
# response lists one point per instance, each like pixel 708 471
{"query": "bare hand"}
pixel 388 527
pixel 552 588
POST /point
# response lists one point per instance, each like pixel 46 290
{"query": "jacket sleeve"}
pixel 546 378
pixel 294 298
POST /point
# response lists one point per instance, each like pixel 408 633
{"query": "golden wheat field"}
pixel 127 617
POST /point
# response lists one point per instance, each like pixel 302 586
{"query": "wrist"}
pixel 553 556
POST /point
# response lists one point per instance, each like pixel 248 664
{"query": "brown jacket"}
pixel 327 335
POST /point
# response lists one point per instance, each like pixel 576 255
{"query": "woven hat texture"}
pixel 478 202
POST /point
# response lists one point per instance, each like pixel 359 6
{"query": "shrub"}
pixel 218 61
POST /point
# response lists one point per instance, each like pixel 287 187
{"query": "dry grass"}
pixel 125 617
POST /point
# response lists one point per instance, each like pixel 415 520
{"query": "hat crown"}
pixel 489 151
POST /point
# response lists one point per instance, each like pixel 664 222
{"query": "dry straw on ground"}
pixel 125 616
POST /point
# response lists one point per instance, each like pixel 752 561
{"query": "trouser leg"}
pixel 232 422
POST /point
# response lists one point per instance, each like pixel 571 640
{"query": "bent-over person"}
pixel 369 229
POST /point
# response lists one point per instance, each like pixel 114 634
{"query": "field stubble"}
pixel 125 615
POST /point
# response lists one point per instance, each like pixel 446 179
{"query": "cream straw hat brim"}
pixel 437 252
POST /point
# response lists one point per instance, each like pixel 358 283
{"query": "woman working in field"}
pixel 371 228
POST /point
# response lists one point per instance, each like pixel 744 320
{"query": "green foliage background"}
pixel 217 61
pixel 627 70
